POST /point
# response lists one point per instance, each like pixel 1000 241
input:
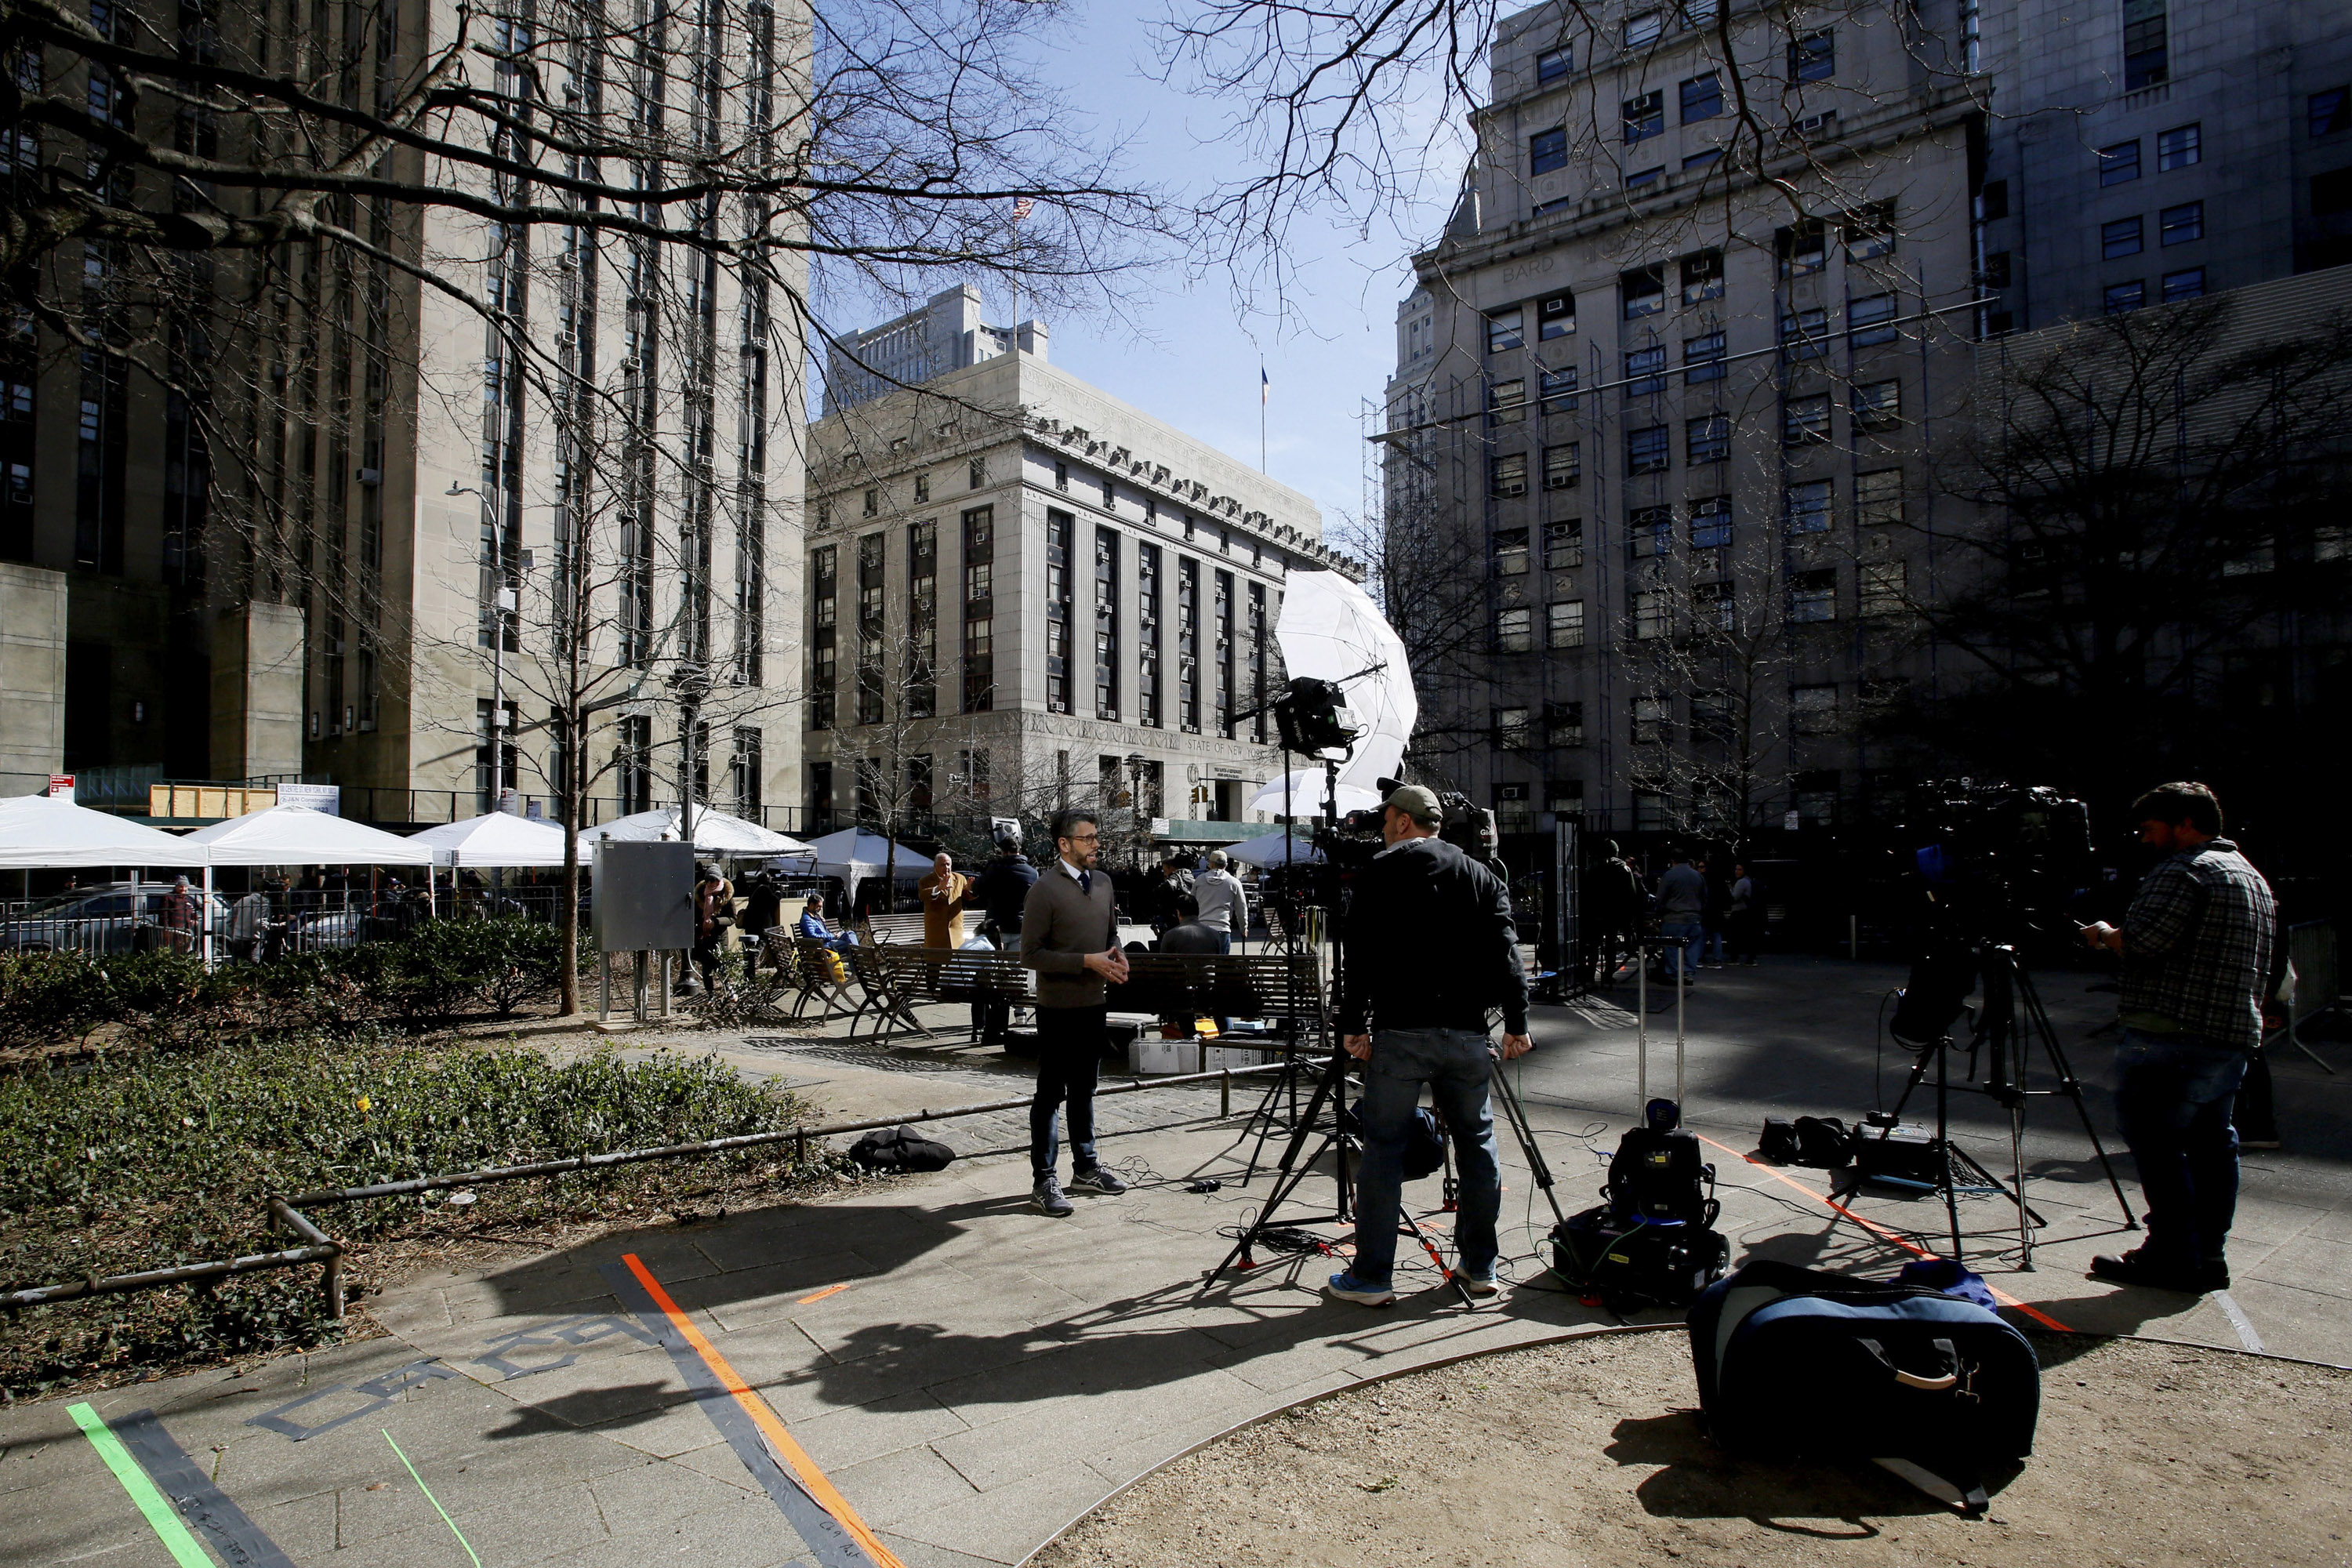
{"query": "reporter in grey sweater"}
pixel 1069 935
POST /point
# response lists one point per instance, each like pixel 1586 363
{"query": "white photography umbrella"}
pixel 1331 631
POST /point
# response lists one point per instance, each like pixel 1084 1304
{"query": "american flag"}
pixel 1022 208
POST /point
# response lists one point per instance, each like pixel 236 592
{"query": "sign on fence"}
pixel 328 798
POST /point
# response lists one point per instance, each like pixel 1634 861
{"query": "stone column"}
pixel 32 678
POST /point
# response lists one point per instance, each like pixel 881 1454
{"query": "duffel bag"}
pixel 1794 1362
pixel 1634 1264
pixel 900 1149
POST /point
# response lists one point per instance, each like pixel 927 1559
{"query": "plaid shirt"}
pixel 2197 944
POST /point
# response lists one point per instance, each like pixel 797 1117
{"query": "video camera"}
pixel 1468 827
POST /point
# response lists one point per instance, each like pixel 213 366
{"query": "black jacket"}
pixel 1004 887
pixel 1430 944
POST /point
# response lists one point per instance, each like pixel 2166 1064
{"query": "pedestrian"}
pixel 1711 918
pixel 1431 948
pixel 246 918
pixel 945 893
pixel 1681 907
pixel 179 916
pixel 2196 946
pixel 1002 892
pixel 1223 901
pixel 714 918
pixel 1742 916
pixel 1613 899
pixel 1174 885
pixel 1069 935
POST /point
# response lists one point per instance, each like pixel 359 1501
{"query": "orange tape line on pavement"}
pixel 813 1480
pixel 2003 1297
pixel 828 1290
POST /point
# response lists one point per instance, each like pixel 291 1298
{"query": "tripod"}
pixel 2011 1022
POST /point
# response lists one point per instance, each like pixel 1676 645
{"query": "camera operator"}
pixel 1430 948
pixel 2196 946
pixel 1069 935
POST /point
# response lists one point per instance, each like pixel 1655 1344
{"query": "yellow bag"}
pixel 836 971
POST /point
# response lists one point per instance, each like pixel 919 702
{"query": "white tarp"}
pixel 40 832
pixel 1274 849
pixel 297 836
pixel 1331 631
pixel 499 838
pixel 714 832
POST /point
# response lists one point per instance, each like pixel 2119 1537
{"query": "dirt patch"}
pixel 1590 1452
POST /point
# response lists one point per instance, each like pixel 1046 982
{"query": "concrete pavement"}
pixel 969 1376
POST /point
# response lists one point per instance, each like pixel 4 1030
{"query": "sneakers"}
pixel 1096 1179
pixel 1047 1198
pixel 2135 1268
pixel 1348 1288
pixel 1475 1284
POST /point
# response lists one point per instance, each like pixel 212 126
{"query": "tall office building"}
pixel 360 538
pixel 1668 382
pixel 1024 594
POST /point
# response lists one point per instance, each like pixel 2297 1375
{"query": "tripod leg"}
pixel 1290 1172
pixel 2017 1162
pixel 1408 1225
pixel 2072 1087
pixel 1514 1112
pixel 1944 1142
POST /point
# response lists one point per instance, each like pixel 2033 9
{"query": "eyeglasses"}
pixel 1085 837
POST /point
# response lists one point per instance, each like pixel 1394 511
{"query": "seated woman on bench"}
pixel 814 927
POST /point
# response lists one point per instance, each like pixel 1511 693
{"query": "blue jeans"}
pixel 1457 1065
pixel 2173 1095
pixel 1687 937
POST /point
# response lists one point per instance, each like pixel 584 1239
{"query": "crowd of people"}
pixel 1708 909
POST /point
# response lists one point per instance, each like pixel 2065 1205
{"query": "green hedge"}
pixel 144 1159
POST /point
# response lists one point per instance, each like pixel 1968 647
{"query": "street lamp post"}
pixel 689 683
pixel 1135 818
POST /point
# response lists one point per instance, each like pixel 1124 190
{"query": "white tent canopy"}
pixel 1276 849
pixel 39 832
pixel 1331 631
pixel 497 838
pixel 714 832
pixel 853 854
pixel 297 836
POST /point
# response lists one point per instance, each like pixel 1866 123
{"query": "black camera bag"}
pixel 900 1149
pixel 1779 1143
pixel 1906 1154
pixel 1635 1264
pixel 1823 1140
pixel 1658 1175
pixel 1792 1361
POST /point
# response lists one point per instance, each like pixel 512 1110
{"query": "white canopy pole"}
pixel 205 920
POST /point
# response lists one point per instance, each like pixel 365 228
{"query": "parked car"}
pixel 97 919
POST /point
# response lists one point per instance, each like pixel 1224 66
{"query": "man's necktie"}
pixel 1086 882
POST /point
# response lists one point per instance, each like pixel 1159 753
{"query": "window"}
pixel 1511 728
pixel 1507 402
pixel 1702 97
pixel 2119 163
pixel 1715 606
pixel 1643 29
pixel 1869 232
pixel 976 472
pixel 2119 239
pixel 1701 13
pixel 1645 116
pixel 1514 630
pixel 1701 158
pixel 1106 617
pixel 1653 721
pixel 1561 467
pixel 1643 292
pixel 1564 545
pixel 1804 419
pixel 1870 320
pixel 922 488
pixel 1996 271
pixel 2121 297
pixel 2263 556
pixel 1708 439
pixel 1878 497
pixel 1559 390
pixel 1702 276
pixel 2178 147
pixel 1555 317
pixel 1510 550
pixel 1710 714
pixel 1642 179
pixel 1802 248
pixel 1878 406
pixel 1646 451
pixel 1058 527
pixel 2331 192
pixel 1702 358
pixel 1554 64
pixel 1813 58
pixel 873 502
pixel 1547 150
pixel 1650 531
pixel 1710 524
pixel 1061 475
pixel 1652 614
pixel 2187 284
pixel 1564 627
pixel 1645 372
pixel 1503 330
pixel 1880 587
pixel 1564 721
pixel 1994 199
pixel 2178 225
pixel 2329 111
pixel 2145 55
pixel 1148 636
pixel 1506 474
pixel 1808 509
pixel 1804 334
pixel 1813 596
pixel 1110 494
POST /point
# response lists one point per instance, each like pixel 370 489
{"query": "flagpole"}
pixel 1264 392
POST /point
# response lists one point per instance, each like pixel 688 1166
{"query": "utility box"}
pixel 645 897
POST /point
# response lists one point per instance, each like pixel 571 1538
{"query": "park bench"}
pixel 896 980
pixel 1281 986
pixel 899 931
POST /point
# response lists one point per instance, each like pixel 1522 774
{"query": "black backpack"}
pixel 1424 1141
pixel 900 1149
pixel 1657 1175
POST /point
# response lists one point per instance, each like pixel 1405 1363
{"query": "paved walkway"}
pixel 965 1377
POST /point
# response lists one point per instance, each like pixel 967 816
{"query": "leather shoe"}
pixel 2134 1268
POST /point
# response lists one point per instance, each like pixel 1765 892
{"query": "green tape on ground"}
pixel 161 1516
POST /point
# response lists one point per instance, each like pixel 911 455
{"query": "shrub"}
pixel 50 996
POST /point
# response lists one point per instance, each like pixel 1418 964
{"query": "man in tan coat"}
pixel 945 892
